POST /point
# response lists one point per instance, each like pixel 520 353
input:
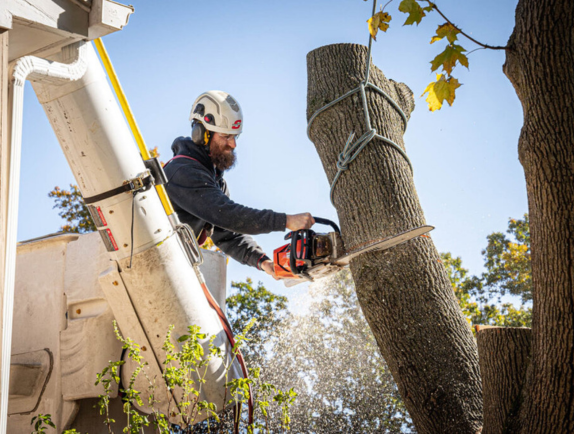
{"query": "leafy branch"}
pixel 444 88
pixel 184 373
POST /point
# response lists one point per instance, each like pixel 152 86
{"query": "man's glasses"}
pixel 229 137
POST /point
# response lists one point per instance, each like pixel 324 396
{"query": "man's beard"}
pixel 223 160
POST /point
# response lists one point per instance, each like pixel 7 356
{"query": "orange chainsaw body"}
pixel 311 256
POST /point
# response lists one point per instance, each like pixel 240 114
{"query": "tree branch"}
pixel 491 47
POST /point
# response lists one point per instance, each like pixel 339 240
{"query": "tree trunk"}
pixel 504 354
pixel 539 65
pixel 404 292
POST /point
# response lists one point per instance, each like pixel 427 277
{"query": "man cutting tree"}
pixel 200 195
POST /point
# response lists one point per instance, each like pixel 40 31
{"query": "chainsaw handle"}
pixel 323 221
pixel 293 254
pixel 304 236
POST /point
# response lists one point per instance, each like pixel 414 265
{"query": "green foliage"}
pixel 184 373
pixel 185 369
pixel 330 355
pixel 485 313
pixel 72 210
pixel 251 301
pixel 41 423
pixel 507 262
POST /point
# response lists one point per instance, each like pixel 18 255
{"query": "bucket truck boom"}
pixel 145 265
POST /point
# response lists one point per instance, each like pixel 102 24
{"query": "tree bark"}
pixel 539 65
pixel 404 292
pixel 504 354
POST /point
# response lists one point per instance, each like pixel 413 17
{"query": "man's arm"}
pixel 240 247
pixel 193 189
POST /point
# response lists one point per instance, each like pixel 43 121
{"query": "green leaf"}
pixel 448 58
pixel 415 11
pixel 447 31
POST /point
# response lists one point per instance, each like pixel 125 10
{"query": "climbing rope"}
pixel 352 149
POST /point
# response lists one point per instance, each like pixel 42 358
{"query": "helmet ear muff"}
pixel 199 134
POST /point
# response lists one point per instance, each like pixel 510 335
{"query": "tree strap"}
pixel 139 183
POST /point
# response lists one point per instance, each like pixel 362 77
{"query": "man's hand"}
pixel 269 268
pixel 300 221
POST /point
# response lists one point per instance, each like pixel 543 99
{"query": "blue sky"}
pixel 466 167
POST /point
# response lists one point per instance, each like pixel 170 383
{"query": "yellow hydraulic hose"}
pixel 130 117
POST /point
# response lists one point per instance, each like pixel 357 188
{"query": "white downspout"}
pixel 34 69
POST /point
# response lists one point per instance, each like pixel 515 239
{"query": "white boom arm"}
pixel 160 287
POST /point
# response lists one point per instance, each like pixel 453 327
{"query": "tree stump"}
pixel 504 354
pixel 404 292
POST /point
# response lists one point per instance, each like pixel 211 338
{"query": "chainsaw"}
pixel 310 255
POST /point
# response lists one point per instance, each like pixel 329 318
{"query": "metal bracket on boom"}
pixel 154 166
pixel 190 245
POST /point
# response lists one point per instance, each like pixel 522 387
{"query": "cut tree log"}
pixel 504 354
pixel 404 292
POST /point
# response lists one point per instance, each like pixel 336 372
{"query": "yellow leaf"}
pixel 439 91
pixel 377 22
pixel 447 31
pixel 154 153
pixel 385 19
pixel 373 23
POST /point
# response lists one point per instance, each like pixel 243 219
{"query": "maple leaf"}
pixel 441 90
pixel 448 58
pixel 415 11
pixel 446 30
pixel 377 22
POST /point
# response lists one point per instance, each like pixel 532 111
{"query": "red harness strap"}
pixel 229 333
pixel 224 322
pixel 180 156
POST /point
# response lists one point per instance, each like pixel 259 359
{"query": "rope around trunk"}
pixel 352 149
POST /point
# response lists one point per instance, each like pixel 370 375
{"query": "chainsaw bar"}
pixel 384 244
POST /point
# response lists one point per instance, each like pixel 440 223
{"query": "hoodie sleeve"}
pixel 195 190
pixel 240 247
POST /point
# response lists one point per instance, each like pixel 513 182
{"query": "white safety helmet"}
pixel 218 112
